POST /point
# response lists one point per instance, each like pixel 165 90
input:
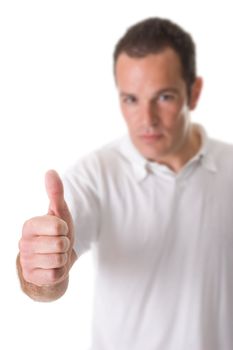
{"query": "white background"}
pixel 58 102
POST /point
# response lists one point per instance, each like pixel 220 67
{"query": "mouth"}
pixel 151 137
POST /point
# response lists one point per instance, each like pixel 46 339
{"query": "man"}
pixel 154 207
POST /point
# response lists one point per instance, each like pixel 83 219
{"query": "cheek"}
pixel 130 116
pixel 175 118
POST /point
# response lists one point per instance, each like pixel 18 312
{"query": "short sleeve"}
pixel 81 194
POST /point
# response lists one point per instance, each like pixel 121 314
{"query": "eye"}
pixel 166 97
pixel 129 100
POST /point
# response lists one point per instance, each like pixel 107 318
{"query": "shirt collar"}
pixel 142 167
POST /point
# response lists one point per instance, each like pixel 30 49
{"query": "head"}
pixel 152 36
pixel 155 72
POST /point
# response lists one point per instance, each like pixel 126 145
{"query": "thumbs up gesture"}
pixel 46 246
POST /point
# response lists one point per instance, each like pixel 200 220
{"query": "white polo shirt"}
pixel 163 247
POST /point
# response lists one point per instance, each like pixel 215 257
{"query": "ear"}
pixel 195 92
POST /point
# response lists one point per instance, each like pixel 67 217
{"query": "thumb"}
pixel 57 205
pixel 55 192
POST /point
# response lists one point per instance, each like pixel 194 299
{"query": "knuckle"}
pixel 23 261
pixel 62 244
pixel 58 227
pixel 27 274
pixel 55 274
pixel 26 263
pixel 38 242
pixel 60 259
pixel 57 260
pixel 27 226
pixel 23 246
pixel 30 227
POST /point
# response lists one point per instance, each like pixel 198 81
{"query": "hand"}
pixel 46 246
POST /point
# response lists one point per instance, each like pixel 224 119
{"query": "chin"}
pixel 152 148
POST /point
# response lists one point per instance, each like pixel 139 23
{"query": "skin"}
pixel 46 247
pixel 156 108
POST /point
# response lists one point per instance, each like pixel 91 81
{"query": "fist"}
pixel 46 245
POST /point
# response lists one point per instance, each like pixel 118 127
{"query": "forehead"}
pixel 163 67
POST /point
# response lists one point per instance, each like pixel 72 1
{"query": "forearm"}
pixel 41 293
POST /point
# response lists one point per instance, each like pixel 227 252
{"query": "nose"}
pixel 149 114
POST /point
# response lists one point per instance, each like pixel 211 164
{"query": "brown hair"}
pixel 153 35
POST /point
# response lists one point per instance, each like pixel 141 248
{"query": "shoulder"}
pixel 221 149
pixel 222 153
pixel 105 159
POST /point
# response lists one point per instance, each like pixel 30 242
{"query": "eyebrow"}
pixel 168 89
pixel 123 94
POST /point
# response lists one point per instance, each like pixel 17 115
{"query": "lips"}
pixel 151 137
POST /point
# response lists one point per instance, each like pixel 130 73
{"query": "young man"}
pixel 154 207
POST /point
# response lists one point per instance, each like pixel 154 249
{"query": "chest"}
pixel 176 218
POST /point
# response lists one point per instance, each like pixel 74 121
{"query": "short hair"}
pixel 153 35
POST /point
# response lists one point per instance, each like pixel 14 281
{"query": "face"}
pixel 155 104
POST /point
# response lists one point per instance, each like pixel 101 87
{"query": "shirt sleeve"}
pixel 81 194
